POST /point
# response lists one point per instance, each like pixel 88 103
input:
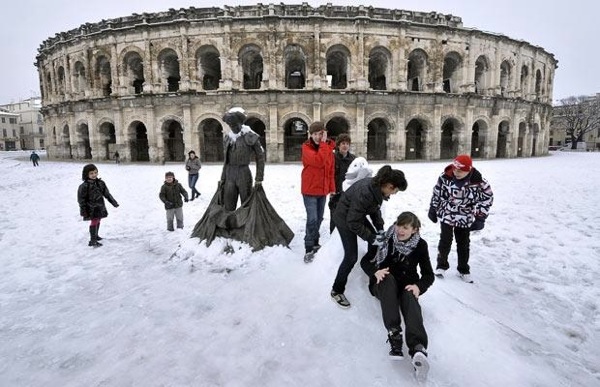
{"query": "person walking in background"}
pixel 317 181
pixel 170 194
pixel 363 199
pixel 35 158
pixel 395 281
pixel 192 165
pixel 461 199
pixel 90 196
pixel 343 159
pixel 117 158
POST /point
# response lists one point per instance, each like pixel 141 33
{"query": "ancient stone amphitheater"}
pixel 405 85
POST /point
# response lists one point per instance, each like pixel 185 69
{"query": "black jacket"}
pixel 403 268
pixel 90 195
pixel 341 167
pixel 362 199
pixel 170 194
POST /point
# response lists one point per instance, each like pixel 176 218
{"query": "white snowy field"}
pixel 153 308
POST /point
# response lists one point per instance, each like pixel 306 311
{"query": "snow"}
pixel 154 308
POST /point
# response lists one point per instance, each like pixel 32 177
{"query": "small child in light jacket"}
pixel 171 193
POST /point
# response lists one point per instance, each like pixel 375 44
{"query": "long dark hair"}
pixel 394 177
pixel 86 171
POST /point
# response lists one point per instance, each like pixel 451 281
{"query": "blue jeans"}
pixel 315 206
pixel 192 180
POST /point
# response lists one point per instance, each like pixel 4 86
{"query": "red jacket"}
pixel 318 174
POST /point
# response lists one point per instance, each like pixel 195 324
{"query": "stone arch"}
pixel 172 134
pixel 84 148
pixel 133 70
pixel 336 124
pixel 449 139
pixel 380 60
pixel 80 81
pixel 502 142
pixel 210 131
pixel 416 138
pixel 524 81
pixel 521 138
pixel 538 84
pixel 295 66
pixel 251 61
pixel 479 134
pixel 377 139
pixel 137 135
pixel 208 62
pixel 338 60
pixel 295 133
pixel 103 75
pixel 416 70
pixel 505 77
pixel 66 141
pixel 108 137
pixel 535 132
pixel 61 80
pixel 482 71
pixel 168 65
pixel 50 89
pixel 452 72
pixel 257 124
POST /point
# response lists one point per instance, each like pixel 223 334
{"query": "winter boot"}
pixel 94 237
pixel 395 340
pixel 98 238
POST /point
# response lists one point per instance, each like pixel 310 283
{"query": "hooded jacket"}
pixel 171 193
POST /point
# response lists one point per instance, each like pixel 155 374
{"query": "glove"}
pixel 185 200
pixel 432 215
pixel 380 239
pixel 478 224
pixel 168 205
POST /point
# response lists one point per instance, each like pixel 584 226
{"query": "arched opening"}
pixel 536 132
pixel 49 83
pixel 54 140
pixel 336 126
pixel 295 133
pixel 61 80
pixel 168 62
pixel 481 74
pixel 416 70
pixel 505 75
pixel 451 72
pixel 134 70
pixel 209 67
pixel 379 60
pixel 138 141
pixel 524 81
pixel 521 139
pixel 501 147
pixel 173 138
pixel 83 142
pixel 211 140
pixel 295 67
pixel 259 128
pixel 108 138
pixel 79 74
pixel 478 137
pixel 338 61
pixel 66 142
pixel 377 131
pixel 449 139
pixel 415 138
pixel 538 84
pixel 103 76
pixel 251 61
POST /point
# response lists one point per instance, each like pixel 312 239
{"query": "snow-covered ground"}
pixel 153 308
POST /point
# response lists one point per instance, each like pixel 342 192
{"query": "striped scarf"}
pixel 402 247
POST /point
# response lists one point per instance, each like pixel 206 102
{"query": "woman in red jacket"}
pixel 317 182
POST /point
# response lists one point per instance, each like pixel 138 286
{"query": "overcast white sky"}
pixel 570 34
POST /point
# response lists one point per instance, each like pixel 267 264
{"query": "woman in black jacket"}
pixel 362 199
pixel 394 280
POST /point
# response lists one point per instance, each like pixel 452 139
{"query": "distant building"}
pixel 30 122
pixel 558 129
pixel 9 135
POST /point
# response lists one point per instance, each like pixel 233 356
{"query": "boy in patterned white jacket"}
pixel 461 199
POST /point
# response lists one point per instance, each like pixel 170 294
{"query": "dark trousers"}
pixel 315 207
pixel 462 247
pixel 393 300
pixel 238 182
pixel 350 245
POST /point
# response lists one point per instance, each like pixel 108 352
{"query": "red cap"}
pixel 463 162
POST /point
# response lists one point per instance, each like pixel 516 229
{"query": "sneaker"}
pixel 395 340
pixel 340 299
pixel 466 277
pixel 440 273
pixel 421 366
pixel 309 257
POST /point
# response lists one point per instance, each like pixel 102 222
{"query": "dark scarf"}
pixel 403 248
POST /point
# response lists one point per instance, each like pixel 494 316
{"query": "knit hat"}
pixel 463 162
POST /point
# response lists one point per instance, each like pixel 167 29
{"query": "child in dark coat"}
pixel 90 195
pixel 395 281
pixel 170 194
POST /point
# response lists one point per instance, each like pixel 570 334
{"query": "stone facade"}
pixel 30 122
pixel 403 84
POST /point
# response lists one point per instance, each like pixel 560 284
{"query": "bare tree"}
pixel 578 115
